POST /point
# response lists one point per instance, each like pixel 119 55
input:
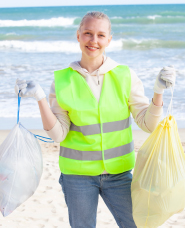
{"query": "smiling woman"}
pixel 92 122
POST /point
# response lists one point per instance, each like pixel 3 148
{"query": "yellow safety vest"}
pixel 100 135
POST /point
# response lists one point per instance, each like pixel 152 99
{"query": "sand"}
pixel 47 208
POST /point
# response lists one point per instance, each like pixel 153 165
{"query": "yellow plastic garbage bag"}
pixel 158 185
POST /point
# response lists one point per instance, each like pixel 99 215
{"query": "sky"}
pixel 27 3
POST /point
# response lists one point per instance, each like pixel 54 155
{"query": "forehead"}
pixel 91 23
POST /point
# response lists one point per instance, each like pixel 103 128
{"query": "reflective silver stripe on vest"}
pixel 87 129
pixel 117 125
pixel 107 127
pixel 80 155
pixel 96 155
pixel 119 151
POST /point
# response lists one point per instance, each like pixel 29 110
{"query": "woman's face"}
pixel 94 36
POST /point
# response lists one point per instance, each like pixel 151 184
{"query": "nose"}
pixel 93 39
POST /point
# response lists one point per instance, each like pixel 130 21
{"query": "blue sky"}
pixel 23 3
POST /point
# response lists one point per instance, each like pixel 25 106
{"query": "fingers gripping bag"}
pixel 158 184
pixel 21 167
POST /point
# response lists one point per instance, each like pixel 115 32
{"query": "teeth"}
pixel 92 48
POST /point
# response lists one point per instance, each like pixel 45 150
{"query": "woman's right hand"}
pixel 29 89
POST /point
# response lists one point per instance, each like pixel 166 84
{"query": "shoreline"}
pixel 36 123
pixel 139 136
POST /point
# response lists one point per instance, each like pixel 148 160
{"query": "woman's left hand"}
pixel 165 79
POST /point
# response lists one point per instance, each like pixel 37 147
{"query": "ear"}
pixel 109 40
pixel 78 35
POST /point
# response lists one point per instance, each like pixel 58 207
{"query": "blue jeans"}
pixel 81 195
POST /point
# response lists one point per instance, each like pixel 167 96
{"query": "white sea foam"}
pixel 116 18
pixel 73 46
pixel 153 17
pixel 10 33
pixel 59 21
pixel 115 45
pixel 52 46
pixel 8 107
pixel 41 46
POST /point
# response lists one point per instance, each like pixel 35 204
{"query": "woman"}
pixel 96 145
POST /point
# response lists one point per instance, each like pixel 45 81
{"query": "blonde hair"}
pixel 95 14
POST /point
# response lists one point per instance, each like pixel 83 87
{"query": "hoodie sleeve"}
pixel 146 116
pixel 62 125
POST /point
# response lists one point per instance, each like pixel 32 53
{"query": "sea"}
pixel 36 41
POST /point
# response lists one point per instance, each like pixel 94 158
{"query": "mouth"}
pixel 91 48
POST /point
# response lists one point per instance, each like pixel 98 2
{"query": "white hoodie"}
pixel 146 116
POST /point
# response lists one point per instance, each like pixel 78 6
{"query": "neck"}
pixel 91 64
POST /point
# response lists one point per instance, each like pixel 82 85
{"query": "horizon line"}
pixel 92 5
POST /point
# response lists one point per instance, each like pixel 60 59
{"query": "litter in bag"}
pixel 158 184
pixel 21 168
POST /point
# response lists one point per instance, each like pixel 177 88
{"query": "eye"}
pixel 101 35
pixel 88 33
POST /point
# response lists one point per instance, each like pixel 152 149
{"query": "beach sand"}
pixel 47 208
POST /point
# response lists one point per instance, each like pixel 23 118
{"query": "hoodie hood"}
pixel 108 64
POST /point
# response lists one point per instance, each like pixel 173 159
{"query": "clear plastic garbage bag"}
pixel 158 185
pixel 21 168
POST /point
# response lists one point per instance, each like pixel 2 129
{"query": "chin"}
pixel 94 55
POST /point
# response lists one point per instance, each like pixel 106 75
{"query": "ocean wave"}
pixel 75 21
pixel 150 19
pixel 52 46
pixel 145 44
pixel 11 33
pixel 15 36
pixel 116 17
pixel 172 13
pixel 153 17
pixel 41 46
pixel 73 47
pixel 52 22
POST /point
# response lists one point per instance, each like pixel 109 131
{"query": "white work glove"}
pixel 29 89
pixel 165 79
